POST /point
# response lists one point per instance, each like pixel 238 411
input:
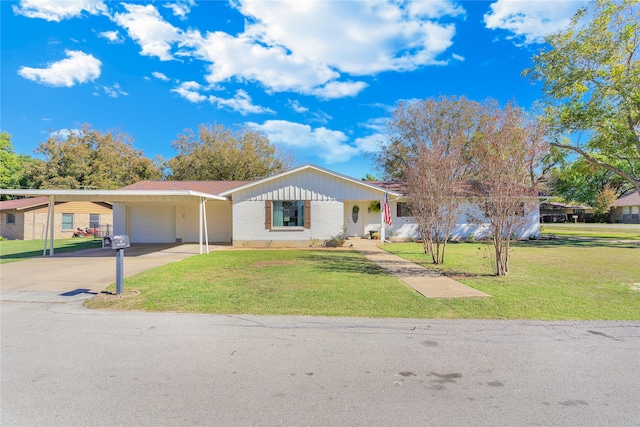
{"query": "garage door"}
pixel 152 224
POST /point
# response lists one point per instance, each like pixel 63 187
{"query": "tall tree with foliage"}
pixel 507 152
pixel 90 159
pixel 436 136
pixel 11 169
pixel 414 124
pixel 591 76
pixel 218 153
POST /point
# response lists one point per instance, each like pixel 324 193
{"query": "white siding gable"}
pixel 307 184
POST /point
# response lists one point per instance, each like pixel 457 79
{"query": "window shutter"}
pixel 307 214
pixel 398 210
pixel 267 219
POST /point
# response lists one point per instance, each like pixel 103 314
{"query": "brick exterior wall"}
pixel 31 223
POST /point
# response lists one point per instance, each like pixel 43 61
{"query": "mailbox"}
pixel 116 242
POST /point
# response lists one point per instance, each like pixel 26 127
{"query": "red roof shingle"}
pixel 631 199
pixel 16 205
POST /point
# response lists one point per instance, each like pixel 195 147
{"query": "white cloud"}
pixel 329 145
pixel 316 47
pixel 356 37
pixel 181 8
pixel 78 68
pixel 369 144
pixel 240 103
pixel 457 57
pixel 338 89
pixel 531 21
pixel 58 10
pixel 296 106
pixel 114 91
pixel 63 134
pixel 245 60
pixel 190 92
pixel 112 36
pixel 160 76
pixel 145 25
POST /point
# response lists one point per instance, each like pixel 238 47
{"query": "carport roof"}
pixel 116 195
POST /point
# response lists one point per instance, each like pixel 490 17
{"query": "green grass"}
pixel 269 282
pixel 17 250
pixel 599 231
pixel 549 280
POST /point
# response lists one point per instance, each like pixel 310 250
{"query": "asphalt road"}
pixel 63 365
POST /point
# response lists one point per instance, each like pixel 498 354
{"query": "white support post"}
pixel 46 228
pixel 382 228
pixel 52 226
pixel 200 224
pixel 206 229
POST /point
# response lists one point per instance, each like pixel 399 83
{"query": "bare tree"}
pixel 436 137
pixel 507 153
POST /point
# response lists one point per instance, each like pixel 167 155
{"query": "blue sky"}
pixel 317 77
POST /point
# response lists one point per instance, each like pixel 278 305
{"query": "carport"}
pixel 148 216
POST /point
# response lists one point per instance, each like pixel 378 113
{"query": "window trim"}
pixel 72 222
pixel 13 218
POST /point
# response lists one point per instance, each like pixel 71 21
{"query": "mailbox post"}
pixel 118 243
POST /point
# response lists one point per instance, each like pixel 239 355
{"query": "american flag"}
pixel 387 210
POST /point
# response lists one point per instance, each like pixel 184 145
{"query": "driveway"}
pixel 79 275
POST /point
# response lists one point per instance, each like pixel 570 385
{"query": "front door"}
pixel 354 219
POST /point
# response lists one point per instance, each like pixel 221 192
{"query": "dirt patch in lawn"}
pixel 111 296
pixel 274 263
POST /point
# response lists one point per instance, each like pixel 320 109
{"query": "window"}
pixel 288 213
pixel 634 212
pixel 94 220
pixel 402 209
pixel 11 218
pixel 67 222
pixel 626 212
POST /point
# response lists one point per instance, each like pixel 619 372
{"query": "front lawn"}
pixel 596 231
pixel 549 280
pixel 16 250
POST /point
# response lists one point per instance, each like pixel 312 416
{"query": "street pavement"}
pixel 64 365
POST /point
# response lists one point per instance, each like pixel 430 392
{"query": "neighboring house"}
pixel 626 209
pixel 26 219
pixel 564 212
pixel 305 206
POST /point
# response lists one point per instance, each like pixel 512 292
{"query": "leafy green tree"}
pixel 591 76
pixel 603 202
pixel 218 153
pixel 581 181
pixel 89 158
pixel 369 177
pixel 10 163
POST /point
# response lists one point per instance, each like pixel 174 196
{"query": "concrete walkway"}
pixel 423 280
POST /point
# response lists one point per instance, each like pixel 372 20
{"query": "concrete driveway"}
pixel 79 275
